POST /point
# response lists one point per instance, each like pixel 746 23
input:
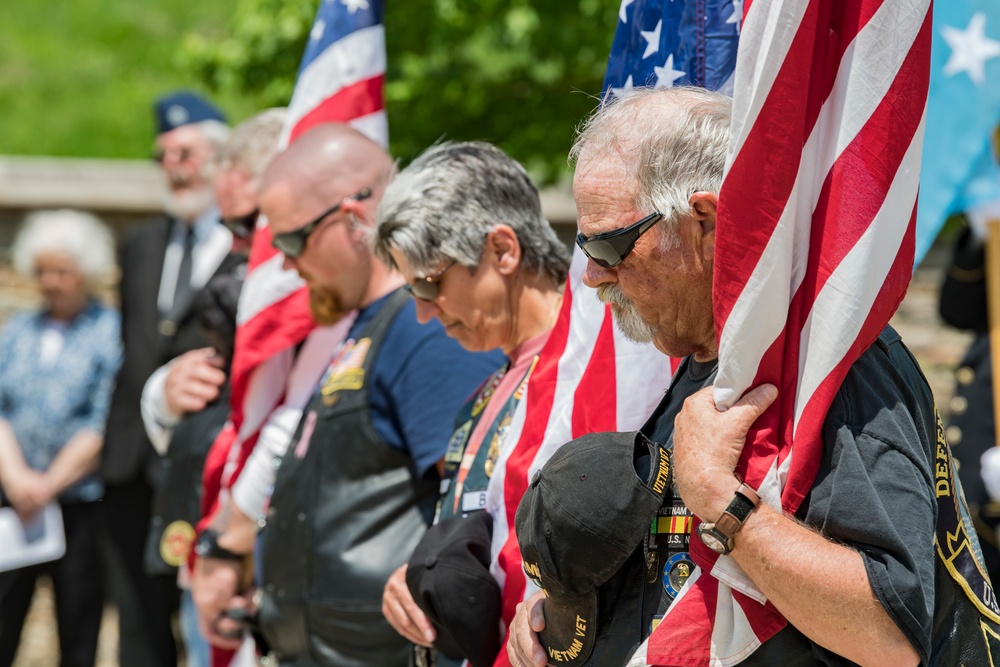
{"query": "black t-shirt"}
pixel 874 492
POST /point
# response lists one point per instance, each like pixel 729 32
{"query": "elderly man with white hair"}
pixel 57 369
pixel 164 262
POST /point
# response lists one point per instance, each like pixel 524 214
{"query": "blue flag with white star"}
pixel 675 43
pixel 959 170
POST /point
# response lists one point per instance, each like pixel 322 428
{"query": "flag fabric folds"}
pixel 589 378
pixel 341 79
pixel 814 251
pixel 959 168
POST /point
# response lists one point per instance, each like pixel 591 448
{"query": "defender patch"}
pixel 956 542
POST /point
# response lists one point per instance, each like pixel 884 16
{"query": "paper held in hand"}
pixel 38 541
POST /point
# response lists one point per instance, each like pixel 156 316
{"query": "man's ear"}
pixel 705 207
pixel 505 249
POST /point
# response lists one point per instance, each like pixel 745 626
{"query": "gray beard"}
pixel 189 205
pixel 626 317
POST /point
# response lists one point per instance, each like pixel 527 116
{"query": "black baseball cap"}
pixel 584 513
pixel 449 579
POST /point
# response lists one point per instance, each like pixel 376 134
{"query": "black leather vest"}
pixel 177 498
pixel 346 511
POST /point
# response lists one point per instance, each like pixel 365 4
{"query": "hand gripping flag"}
pixel 814 249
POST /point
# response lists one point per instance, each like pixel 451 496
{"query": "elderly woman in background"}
pixel 463 223
pixel 57 369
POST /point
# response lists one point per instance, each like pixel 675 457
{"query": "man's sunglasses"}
pixel 293 243
pixel 427 288
pixel 183 154
pixel 242 226
pixel 611 248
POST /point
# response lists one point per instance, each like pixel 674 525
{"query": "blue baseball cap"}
pixel 183 107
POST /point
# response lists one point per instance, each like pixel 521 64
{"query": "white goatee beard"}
pixel 188 204
pixel 626 317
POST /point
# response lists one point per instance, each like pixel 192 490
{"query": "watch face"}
pixel 200 548
pixel 712 540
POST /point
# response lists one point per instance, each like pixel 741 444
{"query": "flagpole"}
pixel 993 311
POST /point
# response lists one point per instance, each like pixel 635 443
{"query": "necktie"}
pixel 182 292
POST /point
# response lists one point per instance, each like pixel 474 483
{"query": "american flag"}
pixel 589 378
pixel 814 249
pixel 341 79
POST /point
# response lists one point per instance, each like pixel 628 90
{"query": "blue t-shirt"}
pixel 420 379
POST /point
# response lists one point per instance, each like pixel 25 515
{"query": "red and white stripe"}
pixel 814 251
pixel 589 378
pixel 343 84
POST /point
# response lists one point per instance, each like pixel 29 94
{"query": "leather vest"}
pixel 346 511
pixel 177 498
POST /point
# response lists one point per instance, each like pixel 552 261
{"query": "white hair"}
pixel 80 235
pixel 671 142
pixel 253 143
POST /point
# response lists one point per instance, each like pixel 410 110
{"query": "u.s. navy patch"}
pixel 347 370
pixel 676 571
pixel 671 527
pixel 956 541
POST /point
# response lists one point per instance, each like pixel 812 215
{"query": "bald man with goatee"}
pixel 357 486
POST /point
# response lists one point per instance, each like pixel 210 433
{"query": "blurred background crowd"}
pixel 78 345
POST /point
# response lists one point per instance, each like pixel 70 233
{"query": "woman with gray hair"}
pixel 464 225
pixel 57 369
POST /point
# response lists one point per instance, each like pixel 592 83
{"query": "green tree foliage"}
pixel 518 73
pixel 77 76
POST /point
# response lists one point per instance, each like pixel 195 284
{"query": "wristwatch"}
pixel 718 536
pixel 207 546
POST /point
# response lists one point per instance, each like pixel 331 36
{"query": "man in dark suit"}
pixel 164 262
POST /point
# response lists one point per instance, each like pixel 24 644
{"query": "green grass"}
pixel 77 76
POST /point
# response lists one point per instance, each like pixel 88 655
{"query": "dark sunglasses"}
pixel 241 226
pixel 427 288
pixel 293 243
pixel 611 248
pixel 183 154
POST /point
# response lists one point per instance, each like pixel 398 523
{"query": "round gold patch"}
pixel 175 543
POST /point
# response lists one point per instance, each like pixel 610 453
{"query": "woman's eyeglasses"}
pixel 427 288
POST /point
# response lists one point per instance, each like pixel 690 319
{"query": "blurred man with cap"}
pixel 186 402
pixel 164 261
pixel 859 574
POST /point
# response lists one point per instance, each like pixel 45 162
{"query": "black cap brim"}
pixel 570 628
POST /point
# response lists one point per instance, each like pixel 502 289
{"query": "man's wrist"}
pixel 208 546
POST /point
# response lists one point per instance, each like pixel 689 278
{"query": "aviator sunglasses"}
pixel 611 248
pixel 427 288
pixel 293 243
pixel 241 226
